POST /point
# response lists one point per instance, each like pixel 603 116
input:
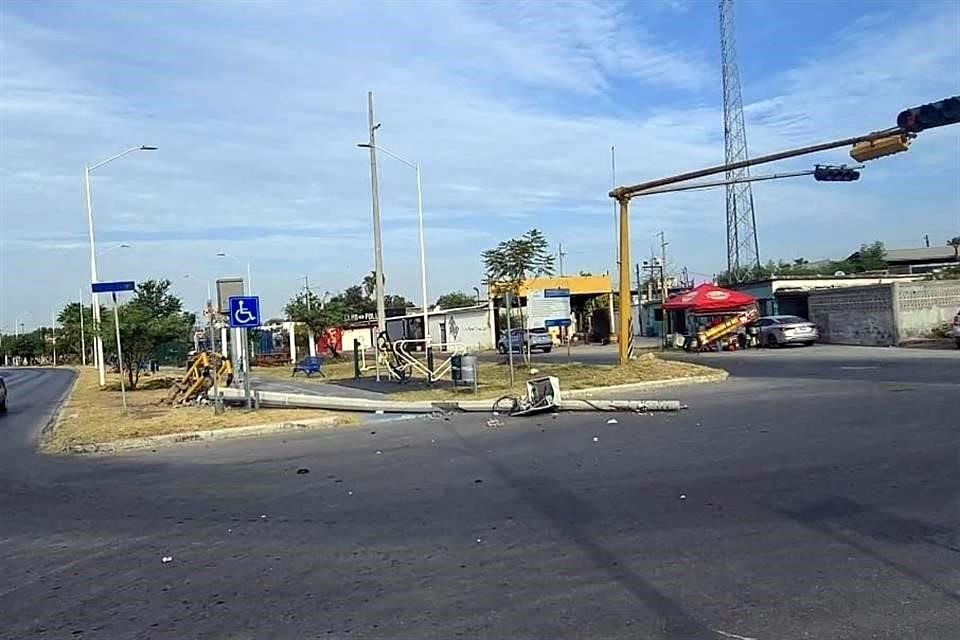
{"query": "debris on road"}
pixel 683 496
pixel 493 423
pixel 596 439
pixel 612 421
pixel 263 516
pixel 166 559
pixel 379 452
pixel 302 470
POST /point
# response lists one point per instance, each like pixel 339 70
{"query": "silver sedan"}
pixel 776 331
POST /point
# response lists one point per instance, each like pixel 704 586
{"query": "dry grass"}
pixel 93 415
pixel 495 377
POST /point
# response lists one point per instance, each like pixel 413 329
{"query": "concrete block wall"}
pixel 855 315
pixel 921 306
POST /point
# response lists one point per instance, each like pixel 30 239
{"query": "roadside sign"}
pixel 549 308
pixel 113 287
pixel 244 312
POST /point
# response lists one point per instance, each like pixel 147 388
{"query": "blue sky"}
pixel 511 108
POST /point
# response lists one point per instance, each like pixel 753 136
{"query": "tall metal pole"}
pixel 377 246
pixel 83 339
pixel 116 325
pixel 663 285
pixel 625 336
pixel 507 298
pixel 53 324
pixel 423 266
pixel 97 339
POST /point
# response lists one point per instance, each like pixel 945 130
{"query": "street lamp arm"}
pixel 412 165
pixel 142 147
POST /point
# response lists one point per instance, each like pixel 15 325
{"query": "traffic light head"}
pixel 928 116
pixel 828 173
pixel 873 149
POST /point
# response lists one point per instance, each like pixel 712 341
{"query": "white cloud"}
pixel 510 107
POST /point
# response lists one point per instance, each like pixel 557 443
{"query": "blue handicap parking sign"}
pixel 244 312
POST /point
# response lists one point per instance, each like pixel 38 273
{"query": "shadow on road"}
pixel 570 515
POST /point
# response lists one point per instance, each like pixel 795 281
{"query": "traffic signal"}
pixel 928 116
pixel 829 173
pixel 873 149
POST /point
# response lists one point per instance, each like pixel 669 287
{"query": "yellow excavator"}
pixel 199 377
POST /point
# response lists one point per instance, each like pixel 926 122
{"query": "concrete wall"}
pixel 855 315
pixel 469 327
pixel 921 306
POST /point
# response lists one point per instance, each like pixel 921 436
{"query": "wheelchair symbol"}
pixel 243 315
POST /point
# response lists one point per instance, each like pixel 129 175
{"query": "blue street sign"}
pixel 556 293
pixel 112 287
pixel 560 322
pixel 244 312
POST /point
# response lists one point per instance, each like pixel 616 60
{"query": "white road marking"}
pixel 732 635
pixel 858 368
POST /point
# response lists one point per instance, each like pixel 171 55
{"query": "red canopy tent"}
pixel 708 298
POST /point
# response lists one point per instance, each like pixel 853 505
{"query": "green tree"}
pixel 151 321
pixel 955 243
pixel 512 261
pixel 68 331
pixel 870 257
pixel 455 299
pixel 308 308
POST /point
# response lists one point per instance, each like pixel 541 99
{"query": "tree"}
pixel 512 261
pixel 955 243
pixel 308 308
pixel 68 331
pixel 455 299
pixel 870 257
pixel 153 319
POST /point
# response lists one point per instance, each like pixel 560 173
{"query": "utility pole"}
pixel 375 196
pixel 560 255
pixel 663 284
pixel 53 324
pixel 306 286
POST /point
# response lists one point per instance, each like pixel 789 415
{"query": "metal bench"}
pixel 309 365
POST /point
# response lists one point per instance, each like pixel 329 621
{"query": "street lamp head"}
pixel 145 147
pixel 221 254
pixel 364 145
pixel 124 245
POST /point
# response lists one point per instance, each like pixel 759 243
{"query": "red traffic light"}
pixel 928 116
pixel 829 173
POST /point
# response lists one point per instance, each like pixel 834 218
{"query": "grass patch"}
pixel 495 377
pixel 94 415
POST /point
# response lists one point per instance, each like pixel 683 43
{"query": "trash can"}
pixel 463 370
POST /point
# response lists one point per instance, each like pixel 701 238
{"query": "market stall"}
pixel 714 317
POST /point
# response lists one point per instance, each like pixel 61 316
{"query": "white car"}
pixel 956 328
pixel 776 331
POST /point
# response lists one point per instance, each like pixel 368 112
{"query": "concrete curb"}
pixel 720 376
pixel 151 442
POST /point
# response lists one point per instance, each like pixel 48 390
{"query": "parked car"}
pixel 776 331
pixel 3 396
pixel 536 339
pixel 956 328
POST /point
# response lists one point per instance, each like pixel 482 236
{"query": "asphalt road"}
pixel 785 503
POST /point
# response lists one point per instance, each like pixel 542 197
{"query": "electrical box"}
pixel 543 393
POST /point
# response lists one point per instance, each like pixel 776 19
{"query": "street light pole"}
pixel 94 277
pixel 83 339
pixel 423 249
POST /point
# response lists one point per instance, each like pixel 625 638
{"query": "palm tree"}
pixel 955 243
pixel 370 283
